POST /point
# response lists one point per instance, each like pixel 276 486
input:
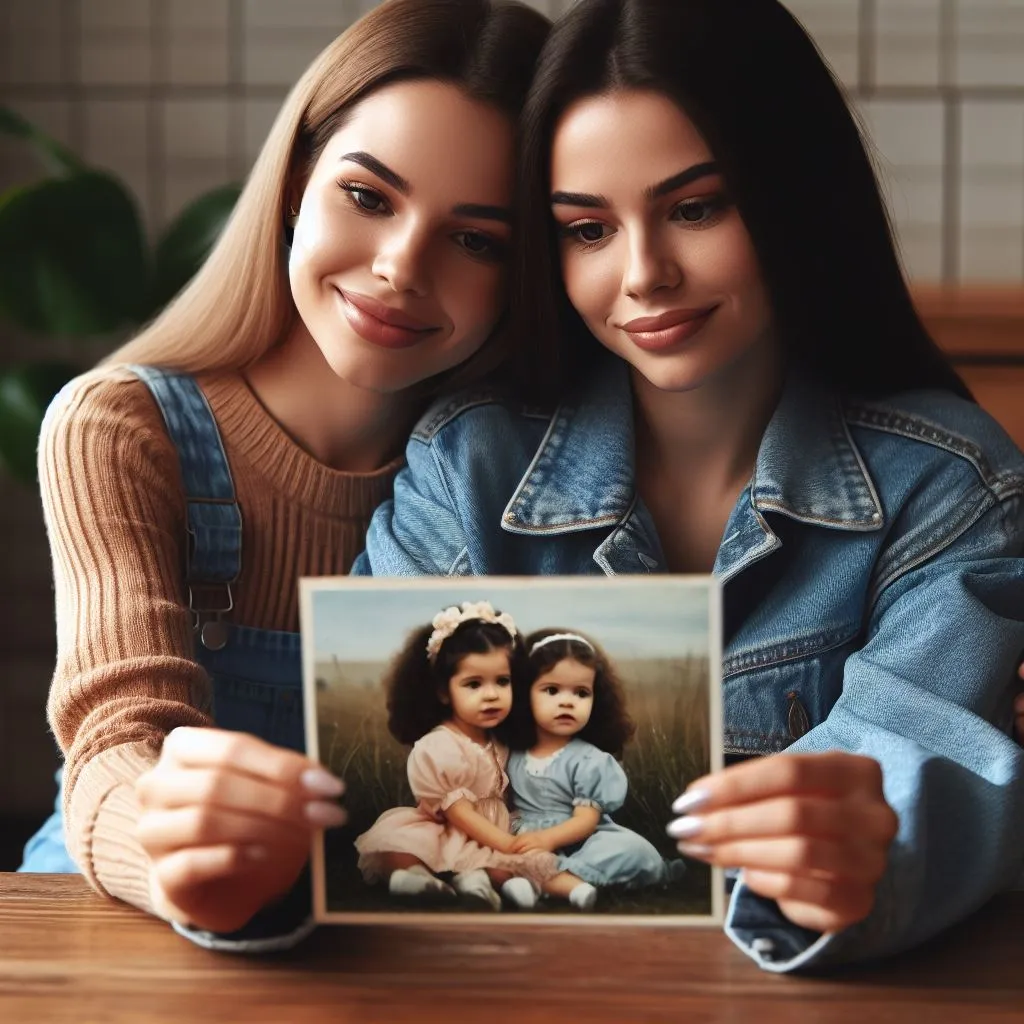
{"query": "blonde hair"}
pixel 239 304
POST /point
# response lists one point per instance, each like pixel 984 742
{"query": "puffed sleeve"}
pixel 440 772
pixel 598 780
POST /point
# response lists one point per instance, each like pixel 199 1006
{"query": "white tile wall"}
pixel 116 38
pixel 989 43
pixel 177 96
pixel 907 43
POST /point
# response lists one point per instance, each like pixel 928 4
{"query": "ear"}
pixel 444 697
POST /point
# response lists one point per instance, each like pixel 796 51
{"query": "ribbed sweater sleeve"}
pixel 125 673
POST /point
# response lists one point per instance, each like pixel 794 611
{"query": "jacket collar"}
pixel 808 466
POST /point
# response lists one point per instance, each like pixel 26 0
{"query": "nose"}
pixel 491 691
pixel 651 264
pixel 401 259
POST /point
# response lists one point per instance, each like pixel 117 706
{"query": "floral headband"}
pixel 574 637
pixel 446 622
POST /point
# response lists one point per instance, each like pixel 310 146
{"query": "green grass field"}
pixel 668 700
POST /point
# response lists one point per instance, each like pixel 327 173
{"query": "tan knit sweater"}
pixel 114 508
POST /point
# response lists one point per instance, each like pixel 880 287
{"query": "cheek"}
pixel 474 298
pixel 592 283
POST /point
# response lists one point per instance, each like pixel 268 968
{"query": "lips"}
pixel 565 719
pixel 656 333
pixel 648 324
pixel 381 324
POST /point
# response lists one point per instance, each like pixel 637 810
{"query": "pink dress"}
pixel 445 766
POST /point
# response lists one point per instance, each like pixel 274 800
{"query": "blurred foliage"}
pixel 75 263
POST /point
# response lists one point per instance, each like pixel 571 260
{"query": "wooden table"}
pixel 68 955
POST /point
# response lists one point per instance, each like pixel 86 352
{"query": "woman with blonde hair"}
pixel 243 440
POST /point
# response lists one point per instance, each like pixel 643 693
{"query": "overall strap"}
pixel 214 519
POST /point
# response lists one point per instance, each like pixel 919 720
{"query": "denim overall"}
pixel 256 674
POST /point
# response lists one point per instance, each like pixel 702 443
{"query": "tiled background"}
pixel 177 95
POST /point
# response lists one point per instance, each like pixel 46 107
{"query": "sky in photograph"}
pixel 641 618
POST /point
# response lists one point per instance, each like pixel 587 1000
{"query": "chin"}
pixel 372 375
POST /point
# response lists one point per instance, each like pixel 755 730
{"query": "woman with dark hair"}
pixel 696 200
pixel 242 441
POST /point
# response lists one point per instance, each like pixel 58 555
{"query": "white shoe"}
pixel 583 897
pixel 520 893
pixel 417 881
pixel 476 883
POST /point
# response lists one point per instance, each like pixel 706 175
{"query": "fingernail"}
pixel 697 850
pixel 684 828
pixel 691 800
pixel 320 782
pixel 325 815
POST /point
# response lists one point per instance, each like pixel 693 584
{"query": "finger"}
pixel 799 855
pixel 791 816
pixel 223 789
pixel 833 774
pixel 161 832
pixel 1018 704
pixel 184 885
pixel 190 869
pixel 822 905
pixel 191 747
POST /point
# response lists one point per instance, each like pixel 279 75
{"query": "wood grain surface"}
pixel 67 954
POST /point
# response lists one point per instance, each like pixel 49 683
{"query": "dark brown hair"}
pixel 414 684
pixel 793 160
pixel 610 728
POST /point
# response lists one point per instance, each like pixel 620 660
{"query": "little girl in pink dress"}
pixel 449 688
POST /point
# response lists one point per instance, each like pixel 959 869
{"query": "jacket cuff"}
pixel 771 940
pixel 274 928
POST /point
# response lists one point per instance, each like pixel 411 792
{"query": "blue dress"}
pixel 546 792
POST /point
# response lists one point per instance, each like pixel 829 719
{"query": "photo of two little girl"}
pixel 513 752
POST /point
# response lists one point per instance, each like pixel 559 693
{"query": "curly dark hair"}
pixel 610 728
pixel 414 684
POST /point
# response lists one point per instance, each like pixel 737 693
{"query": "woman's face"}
pixel 654 256
pixel 397 264
pixel 562 699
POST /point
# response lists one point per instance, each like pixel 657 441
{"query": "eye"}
pixel 476 243
pixel 583 694
pixel 472 684
pixel 585 232
pixel 364 198
pixel 700 212
pixel 504 681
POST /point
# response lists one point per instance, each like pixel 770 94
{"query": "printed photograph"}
pixel 512 745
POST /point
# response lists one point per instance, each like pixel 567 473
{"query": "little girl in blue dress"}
pixel 568 726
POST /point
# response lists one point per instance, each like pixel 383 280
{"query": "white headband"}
pixel 574 637
pixel 446 622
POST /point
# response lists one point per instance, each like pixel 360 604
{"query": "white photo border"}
pixel 309 586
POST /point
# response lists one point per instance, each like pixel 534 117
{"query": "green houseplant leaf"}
pixel 72 256
pixel 187 242
pixel 25 392
pixel 57 158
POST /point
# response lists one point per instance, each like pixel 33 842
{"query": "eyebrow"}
pixel 599 202
pixel 479 211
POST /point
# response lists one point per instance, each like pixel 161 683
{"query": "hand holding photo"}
pixel 498 757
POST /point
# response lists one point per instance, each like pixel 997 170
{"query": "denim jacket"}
pixel 873 602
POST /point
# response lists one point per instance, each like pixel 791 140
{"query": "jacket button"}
pixel 510 517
